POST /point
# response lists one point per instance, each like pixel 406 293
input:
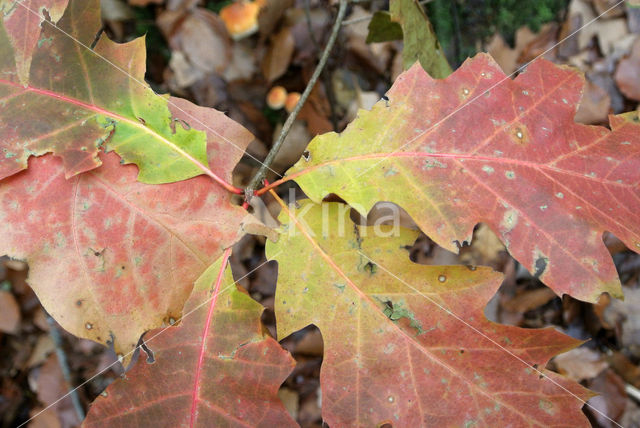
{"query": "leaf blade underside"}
pixel 79 99
pixel 216 368
pixel 512 158
pixel 392 355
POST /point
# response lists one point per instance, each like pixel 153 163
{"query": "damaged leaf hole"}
pixel 372 268
pixel 185 125
pixel 306 155
pixel 150 355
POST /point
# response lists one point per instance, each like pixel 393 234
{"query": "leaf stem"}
pixel 259 177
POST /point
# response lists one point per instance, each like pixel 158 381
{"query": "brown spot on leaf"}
pixel 519 134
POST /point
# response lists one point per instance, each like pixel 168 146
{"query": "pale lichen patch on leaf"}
pixel 509 220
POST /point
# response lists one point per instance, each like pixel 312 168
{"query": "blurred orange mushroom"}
pixel 241 18
pixel 277 97
pixel 291 101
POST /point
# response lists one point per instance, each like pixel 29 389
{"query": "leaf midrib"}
pixel 454 156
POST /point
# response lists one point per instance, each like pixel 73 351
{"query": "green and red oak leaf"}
pixel 216 368
pixel 22 21
pixel 110 257
pixel 79 99
pixel 479 147
pixel 393 351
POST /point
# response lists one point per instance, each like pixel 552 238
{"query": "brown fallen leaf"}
pixel 44 347
pixel 48 382
pixel 529 300
pixel 200 36
pixel 610 8
pixel 9 313
pixel 580 364
pixel 485 248
pixel 278 57
pixel 47 419
pixel 611 401
pixel 290 399
pixel 627 75
pixel 543 45
pixel 143 3
pixel 310 344
pixel 625 368
pixel 594 106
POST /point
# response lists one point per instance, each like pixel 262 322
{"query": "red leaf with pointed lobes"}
pixel 78 99
pixel 110 257
pixel 216 368
pixel 479 147
pixel 22 21
pixel 408 344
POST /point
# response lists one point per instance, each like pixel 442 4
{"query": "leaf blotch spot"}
pixel 79 302
pixel 519 135
pixel 541 266
pixel 488 169
pixel 510 175
pixel 546 406
pixel 396 311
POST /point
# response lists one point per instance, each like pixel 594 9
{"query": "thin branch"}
pixel 326 77
pixel 259 177
pixel 64 367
